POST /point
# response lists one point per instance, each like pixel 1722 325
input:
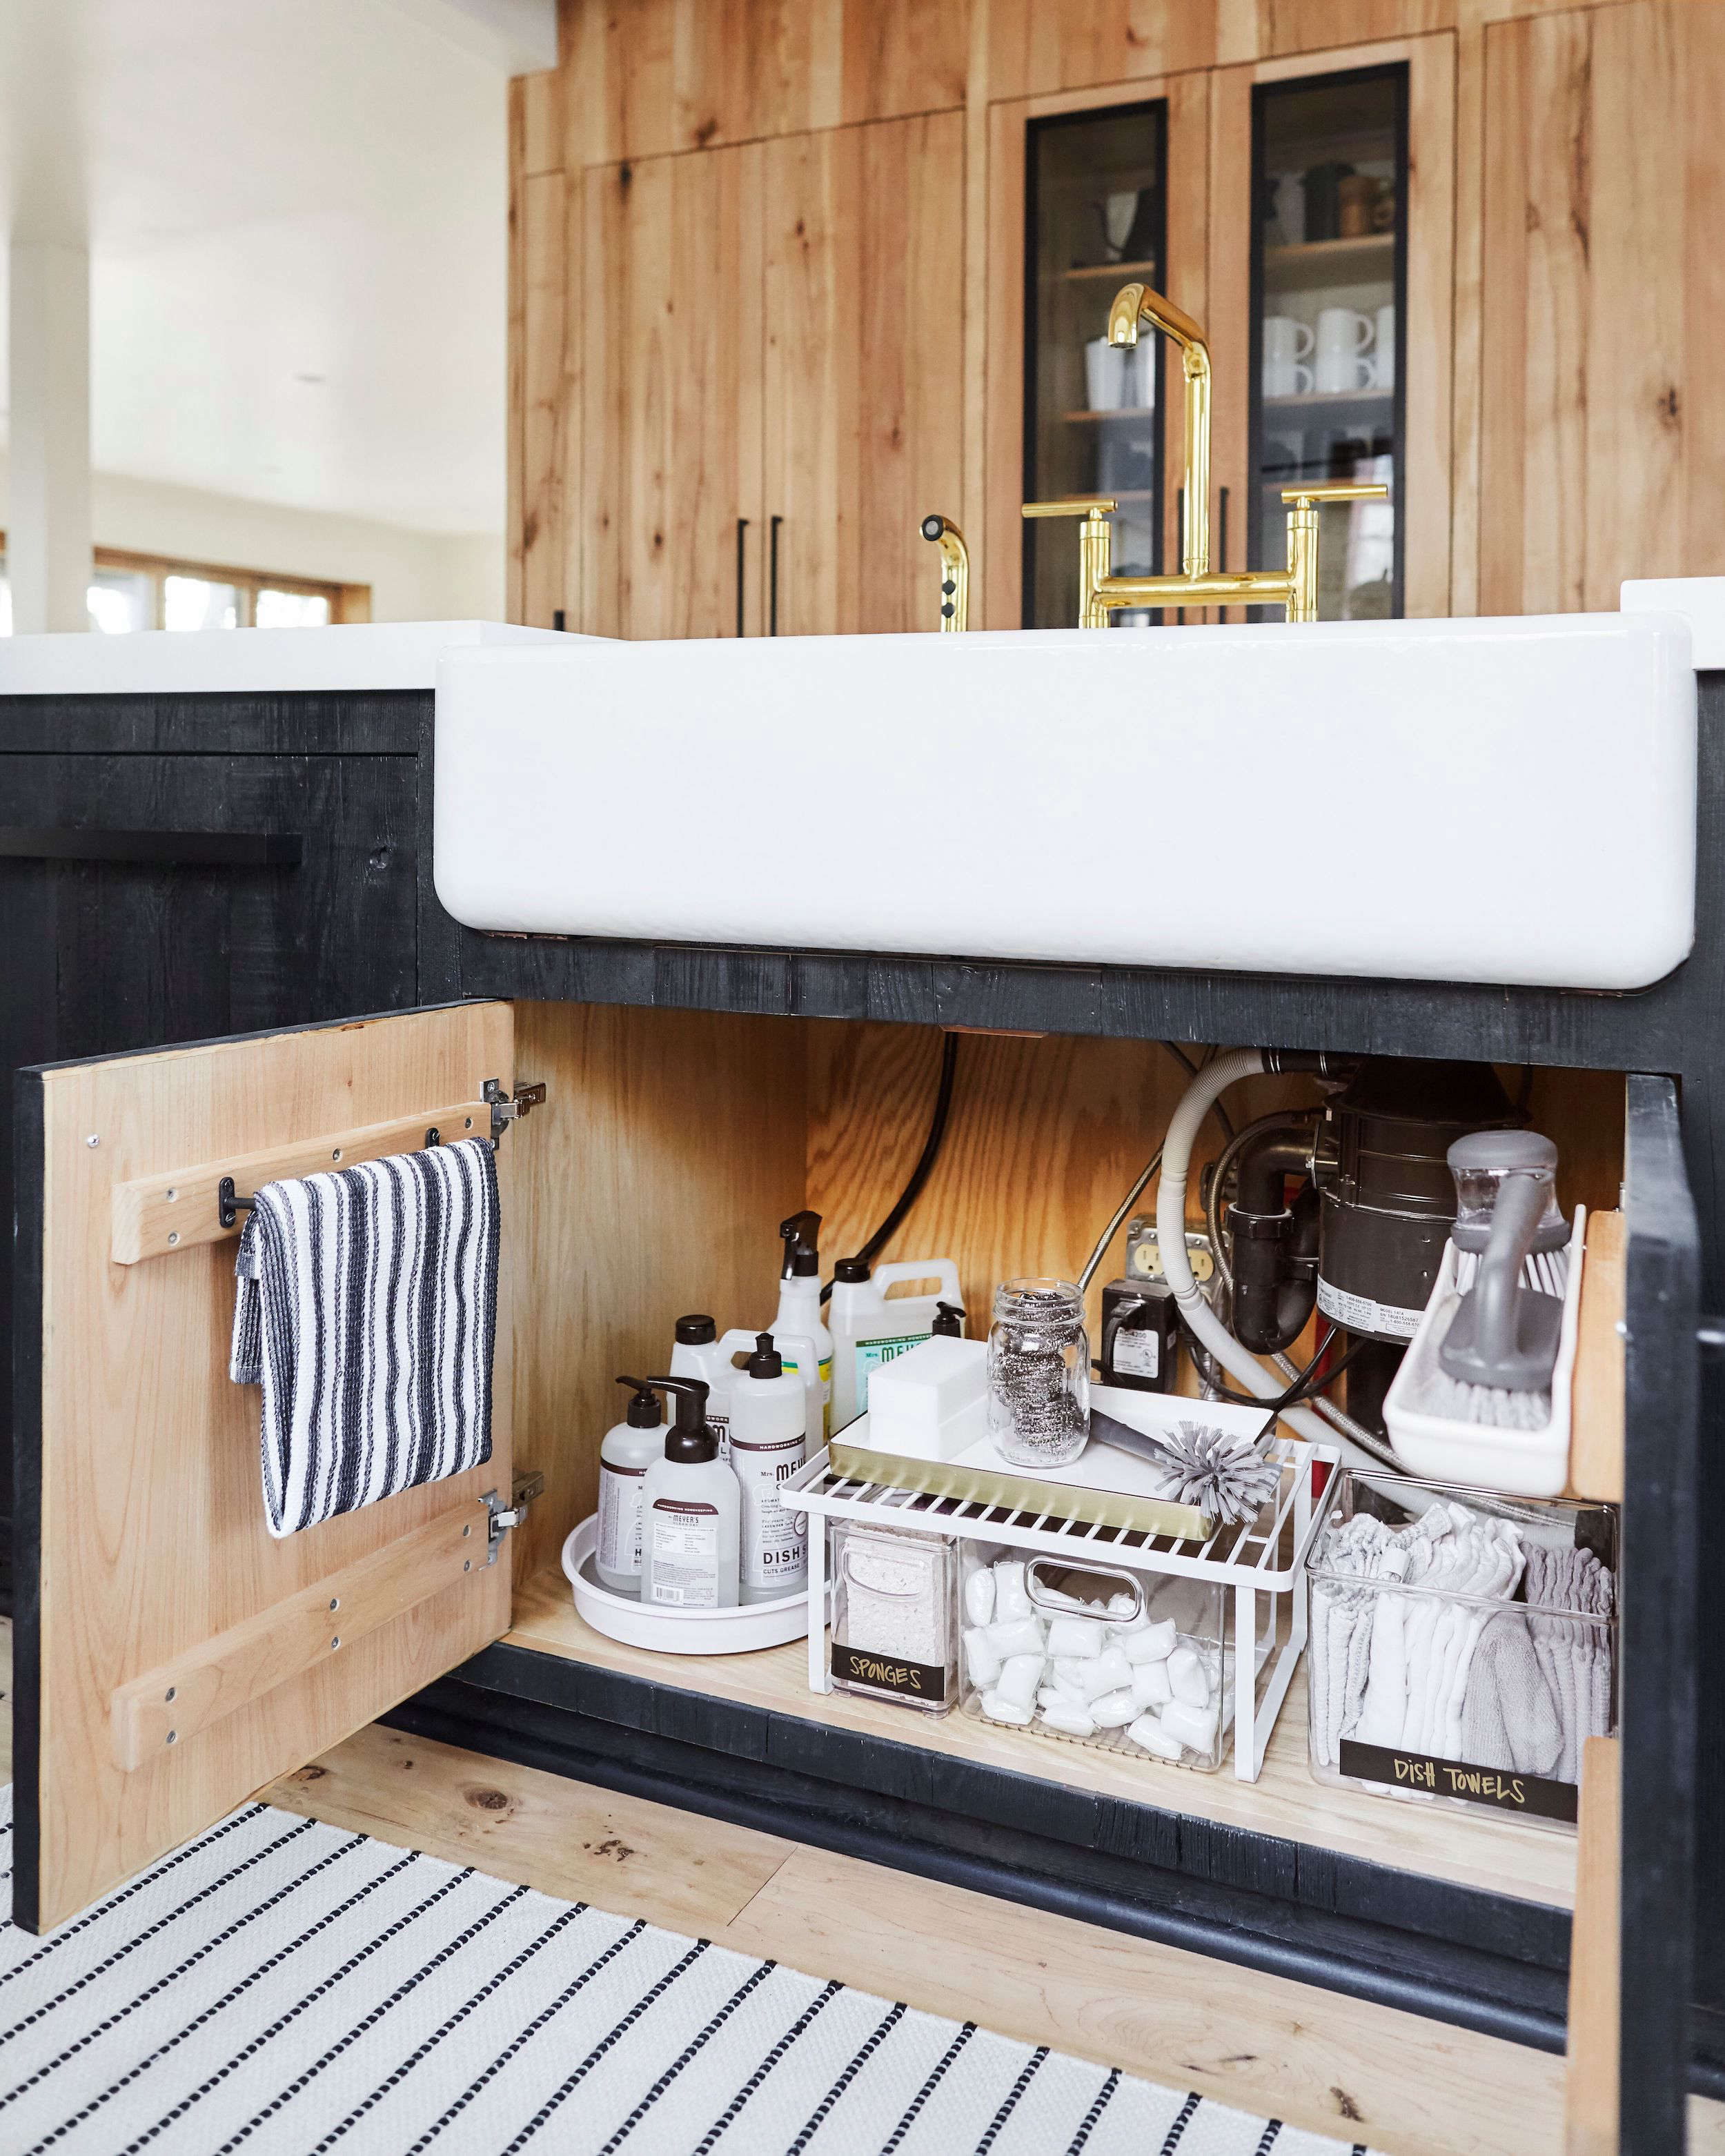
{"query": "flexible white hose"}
pixel 1188 1119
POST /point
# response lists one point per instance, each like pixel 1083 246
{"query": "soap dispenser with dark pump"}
pixel 800 1312
pixel 626 1451
pixel 769 1408
pixel 690 1512
pixel 949 1320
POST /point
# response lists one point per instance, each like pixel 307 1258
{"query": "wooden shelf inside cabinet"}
pixel 1144 412
pixel 1487 1853
pixel 1315 264
pixel 1330 400
pixel 1124 273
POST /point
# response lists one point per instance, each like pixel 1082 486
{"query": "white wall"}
pixel 415 576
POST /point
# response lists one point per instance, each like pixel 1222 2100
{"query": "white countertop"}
pixel 259 661
pixel 1700 601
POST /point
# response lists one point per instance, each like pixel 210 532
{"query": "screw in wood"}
pixel 467 1531
pixel 171 1196
pixel 336 1154
pixel 174 1736
pixel 467 1564
pixel 92 1140
pixel 337 1641
pixel 170 1691
pixel 335 1602
pixel 173 1237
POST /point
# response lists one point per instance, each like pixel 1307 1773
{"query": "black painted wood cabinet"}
pixel 1473 1957
pixel 173 869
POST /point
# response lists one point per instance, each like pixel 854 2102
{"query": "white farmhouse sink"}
pixel 1486 801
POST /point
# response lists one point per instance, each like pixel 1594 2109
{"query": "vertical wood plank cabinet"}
pixel 1554 423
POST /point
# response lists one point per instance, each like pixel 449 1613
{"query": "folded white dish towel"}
pixel 366 1308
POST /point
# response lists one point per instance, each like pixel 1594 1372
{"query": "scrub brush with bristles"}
pixel 1226 1476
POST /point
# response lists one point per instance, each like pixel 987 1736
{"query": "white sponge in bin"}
pixel 932 1403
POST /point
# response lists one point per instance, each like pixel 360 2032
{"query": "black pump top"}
pixel 691 1438
pixel 801 1232
pixel 853 1271
pixel 765 1362
pixel 644 1411
pixel 697 1330
pixel 948 1321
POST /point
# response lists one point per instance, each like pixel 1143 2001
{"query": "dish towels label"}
pixel 1493 1786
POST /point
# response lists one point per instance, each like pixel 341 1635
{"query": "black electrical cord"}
pixel 1307 1386
pixel 920 1174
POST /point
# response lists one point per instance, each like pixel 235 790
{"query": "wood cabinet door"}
pixel 865 406
pixel 170 1655
pixel 670 336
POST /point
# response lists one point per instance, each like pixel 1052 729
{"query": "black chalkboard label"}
pixel 918 1681
pixel 1530 1794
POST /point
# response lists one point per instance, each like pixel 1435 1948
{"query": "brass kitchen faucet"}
pixel 1101 592
pixel 955 571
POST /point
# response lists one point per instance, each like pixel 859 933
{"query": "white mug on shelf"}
pixel 1139 374
pixel 1287 377
pixel 1384 348
pixel 1344 337
pixel 1287 341
pixel 1105 380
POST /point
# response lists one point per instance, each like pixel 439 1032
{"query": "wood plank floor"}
pixel 1361 2072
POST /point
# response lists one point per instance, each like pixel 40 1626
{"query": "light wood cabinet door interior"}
pixel 1602 428
pixel 170 1656
pixel 864 309
pixel 671 397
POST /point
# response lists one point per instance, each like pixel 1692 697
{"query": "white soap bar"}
pixel 1015 1635
pixel 1090 1680
pixel 932 1402
pixel 1080 1639
pixel 1148 1732
pixel 1111 1670
pixel 982 1665
pixel 1195 1726
pixel 1153 1643
pixel 1188 1677
pixel 1018 1678
pixel 1115 1711
pixel 1150 1684
pixel 1004 1710
pixel 1070 1720
pixel 979 1596
pixel 1010 1598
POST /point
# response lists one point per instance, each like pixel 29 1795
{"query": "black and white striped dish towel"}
pixel 366 1308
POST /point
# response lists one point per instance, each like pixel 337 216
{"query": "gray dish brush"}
pixel 1495 1362
pixel 1227 1477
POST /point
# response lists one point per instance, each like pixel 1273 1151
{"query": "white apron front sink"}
pixel 1487 801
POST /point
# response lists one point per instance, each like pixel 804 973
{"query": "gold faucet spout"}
pixel 1134 304
pixel 955 571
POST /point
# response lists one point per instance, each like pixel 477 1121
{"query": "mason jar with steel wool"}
pixel 1039 1372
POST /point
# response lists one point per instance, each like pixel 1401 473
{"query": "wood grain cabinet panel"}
pixel 643 77
pixel 671 393
pixel 863 306
pixel 1602 430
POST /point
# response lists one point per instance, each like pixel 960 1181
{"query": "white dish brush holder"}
pixel 1262 1560
pixel 1517 1463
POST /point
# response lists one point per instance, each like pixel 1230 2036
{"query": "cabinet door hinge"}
pixel 523 1491
pixel 509 1108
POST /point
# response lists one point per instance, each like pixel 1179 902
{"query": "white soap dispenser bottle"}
pixel 626 1451
pixel 769 1412
pixel 799 1312
pixel 690 1512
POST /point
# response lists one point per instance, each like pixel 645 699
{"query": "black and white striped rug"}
pixel 286 1987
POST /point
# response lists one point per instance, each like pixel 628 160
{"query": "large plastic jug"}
pixel 870 1327
pixel 702 1351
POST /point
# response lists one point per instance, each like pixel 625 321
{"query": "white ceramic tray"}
pixel 738 1631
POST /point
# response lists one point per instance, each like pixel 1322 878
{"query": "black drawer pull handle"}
pixel 210 850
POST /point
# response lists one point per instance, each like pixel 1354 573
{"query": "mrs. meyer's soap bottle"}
pixel 630 1449
pixel 689 1512
pixel 769 1418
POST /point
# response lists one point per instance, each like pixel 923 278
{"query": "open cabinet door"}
pixel 170 1656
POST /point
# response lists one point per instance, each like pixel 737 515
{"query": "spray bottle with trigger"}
pixel 799 1312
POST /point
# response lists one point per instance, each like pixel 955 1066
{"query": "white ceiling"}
pixel 297 213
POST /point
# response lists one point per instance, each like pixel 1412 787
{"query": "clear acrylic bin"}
pixel 895 1623
pixel 1462 1646
pixel 1124 1660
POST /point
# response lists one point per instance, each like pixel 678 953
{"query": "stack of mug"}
pixel 1348 352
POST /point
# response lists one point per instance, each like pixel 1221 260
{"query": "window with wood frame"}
pixel 152 591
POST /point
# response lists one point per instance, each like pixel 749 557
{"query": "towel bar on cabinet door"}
pixel 179 1207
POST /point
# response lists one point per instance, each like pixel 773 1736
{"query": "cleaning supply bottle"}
pixel 699 1352
pixel 626 1451
pixel 869 1330
pixel 769 1419
pixel 799 1314
pixel 690 1512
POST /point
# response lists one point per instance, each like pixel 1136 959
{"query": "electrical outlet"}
pixel 1143 1256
